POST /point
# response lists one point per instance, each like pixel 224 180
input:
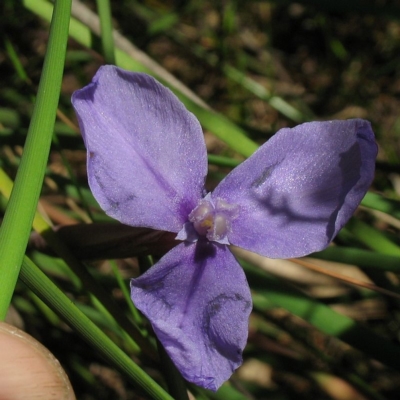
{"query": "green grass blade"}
pixel 360 257
pixel 260 91
pixel 49 293
pixel 221 127
pixel 104 10
pixel 21 208
pixel 371 237
pixel 380 203
pixel 12 54
pixel 125 291
pixel 223 161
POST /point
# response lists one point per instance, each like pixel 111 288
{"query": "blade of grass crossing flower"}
pixel 21 208
pixel 49 293
pixel 104 10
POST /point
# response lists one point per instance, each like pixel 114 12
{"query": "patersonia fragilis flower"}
pixel 147 164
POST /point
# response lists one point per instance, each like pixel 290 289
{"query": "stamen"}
pixel 213 220
pixel 220 228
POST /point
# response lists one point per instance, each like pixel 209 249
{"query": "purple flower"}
pixel 147 164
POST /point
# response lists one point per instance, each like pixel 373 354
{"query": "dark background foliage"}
pixel 326 60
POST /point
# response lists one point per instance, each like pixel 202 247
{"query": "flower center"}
pixel 213 219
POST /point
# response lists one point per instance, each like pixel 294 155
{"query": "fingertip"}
pixel 28 370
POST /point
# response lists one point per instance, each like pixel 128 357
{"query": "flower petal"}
pixel 146 154
pixel 198 301
pixel 298 190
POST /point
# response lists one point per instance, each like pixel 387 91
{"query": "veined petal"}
pixel 298 190
pixel 198 302
pixel 146 154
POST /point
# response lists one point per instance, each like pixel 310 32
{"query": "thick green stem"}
pixel 16 226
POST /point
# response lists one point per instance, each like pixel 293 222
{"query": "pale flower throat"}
pixel 211 219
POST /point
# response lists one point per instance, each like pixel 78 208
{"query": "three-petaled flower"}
pixel 147 164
